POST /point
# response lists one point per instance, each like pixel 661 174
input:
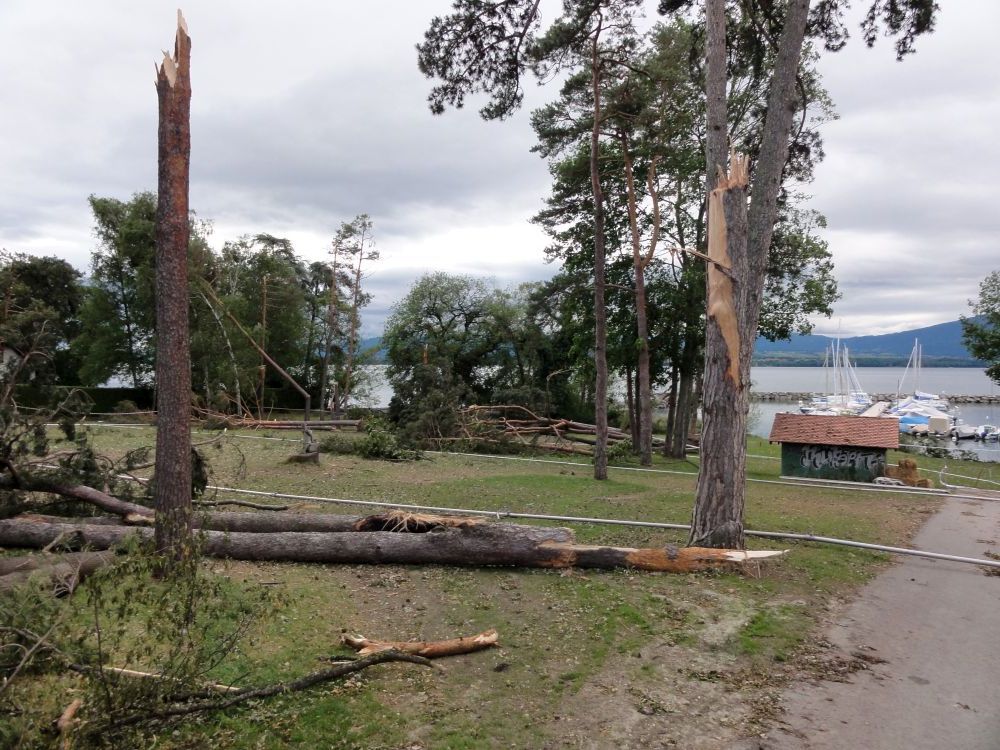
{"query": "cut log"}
pixel 484 544
pixel 426 649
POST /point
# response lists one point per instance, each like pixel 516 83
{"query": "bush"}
pixel 620 451
pixel 381 443
pixel 338 444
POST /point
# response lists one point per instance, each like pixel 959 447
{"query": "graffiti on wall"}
pixel 833 457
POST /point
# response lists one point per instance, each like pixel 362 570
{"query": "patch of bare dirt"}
pixel 662 696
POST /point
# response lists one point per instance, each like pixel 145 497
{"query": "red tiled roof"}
pixel 813 429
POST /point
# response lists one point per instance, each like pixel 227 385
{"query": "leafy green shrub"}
pixel 380 442
pixel 620 451
pixel 338 444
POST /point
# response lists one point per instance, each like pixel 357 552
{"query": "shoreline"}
pixel 794 396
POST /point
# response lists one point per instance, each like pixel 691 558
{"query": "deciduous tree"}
pixel 981 333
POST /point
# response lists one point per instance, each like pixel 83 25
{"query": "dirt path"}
pixel 937 626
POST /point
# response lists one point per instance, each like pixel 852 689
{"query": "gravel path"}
pixel 937 626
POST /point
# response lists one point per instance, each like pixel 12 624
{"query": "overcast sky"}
pixel 307 113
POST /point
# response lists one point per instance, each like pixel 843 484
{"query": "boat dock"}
pixel 876 410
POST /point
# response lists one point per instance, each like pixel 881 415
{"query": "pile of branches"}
pixel 511 424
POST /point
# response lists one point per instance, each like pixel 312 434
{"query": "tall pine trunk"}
pixel 600 310
pixel 172 481
pixel 741 240
pixel 639 263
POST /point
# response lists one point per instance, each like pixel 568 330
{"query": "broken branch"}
pixel 427 649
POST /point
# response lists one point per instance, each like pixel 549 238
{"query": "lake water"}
pixel 965 381
pixel 956 381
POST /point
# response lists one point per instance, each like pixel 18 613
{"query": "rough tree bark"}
pixel 332 317
pixel 718 518
pixel 639 262
pixel 600 310
pixel 718 512
pixel 172 491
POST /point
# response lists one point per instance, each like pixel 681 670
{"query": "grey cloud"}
pixel 307 114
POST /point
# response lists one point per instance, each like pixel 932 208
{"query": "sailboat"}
pixel 923 413
pixel 921 397
pixel 844 392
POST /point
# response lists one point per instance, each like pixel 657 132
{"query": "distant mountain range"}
pixel 942 347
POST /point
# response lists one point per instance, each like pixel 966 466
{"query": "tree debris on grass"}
pixel 426 649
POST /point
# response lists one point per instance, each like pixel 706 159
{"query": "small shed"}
pixel 827 447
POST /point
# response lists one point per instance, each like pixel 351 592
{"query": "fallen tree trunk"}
pixel 102 500
pixel 426 649
pixel 267 523
pixel 479 544
pixel 64 571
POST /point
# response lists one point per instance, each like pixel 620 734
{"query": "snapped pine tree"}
pixel 172 489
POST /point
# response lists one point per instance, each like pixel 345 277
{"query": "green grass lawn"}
pixel 679 658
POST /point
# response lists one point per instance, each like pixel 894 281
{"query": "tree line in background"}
pixel 305 315
pixel 452 340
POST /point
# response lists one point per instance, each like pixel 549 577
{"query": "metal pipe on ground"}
pixel 498 514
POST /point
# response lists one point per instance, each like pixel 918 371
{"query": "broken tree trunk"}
pixel 476 544
pixel 721 492
pixel 718 515
pixel 426 649
pixel 172 490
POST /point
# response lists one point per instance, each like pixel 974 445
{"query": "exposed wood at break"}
pixel 29 563
pixel 426 649
pixel 721 295
pixel 480 545
pixel 717 520
pixel 414 523
pixel 66 722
